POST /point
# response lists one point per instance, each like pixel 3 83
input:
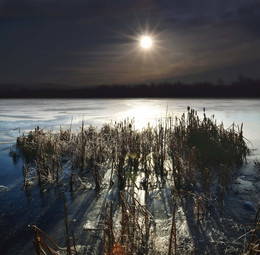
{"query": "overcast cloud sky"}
pixel 96 42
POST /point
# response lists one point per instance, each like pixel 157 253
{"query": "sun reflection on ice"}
pixel 144 114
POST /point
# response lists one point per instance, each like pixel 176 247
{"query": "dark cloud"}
pixel 67 9
pixel 249 16
pixel 93 42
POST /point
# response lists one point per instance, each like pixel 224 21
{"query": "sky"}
pixel 93 42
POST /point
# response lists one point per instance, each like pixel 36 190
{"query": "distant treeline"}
pixel 247 88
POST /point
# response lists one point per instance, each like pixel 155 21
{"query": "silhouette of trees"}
pixel 242 87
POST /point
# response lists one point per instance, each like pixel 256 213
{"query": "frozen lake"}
pixel 26 114
pixel 20 210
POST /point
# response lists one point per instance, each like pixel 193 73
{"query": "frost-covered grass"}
pixel 178 159
pixel 189 149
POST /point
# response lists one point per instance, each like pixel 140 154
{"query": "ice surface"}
pixel 18 210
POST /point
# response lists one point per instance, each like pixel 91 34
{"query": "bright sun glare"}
pixel 146 42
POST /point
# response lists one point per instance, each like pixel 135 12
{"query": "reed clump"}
pixel 132 235
pixel 189 150
pixel 192 155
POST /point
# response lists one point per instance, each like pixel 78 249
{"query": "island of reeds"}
pixel 186 164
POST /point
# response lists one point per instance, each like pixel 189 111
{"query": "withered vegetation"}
pixel 188 153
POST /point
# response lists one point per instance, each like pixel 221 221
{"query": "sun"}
pixel 146 42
